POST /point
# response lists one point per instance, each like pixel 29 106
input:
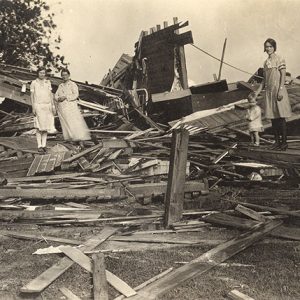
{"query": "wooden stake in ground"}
pixel 176 176
pixel 99 277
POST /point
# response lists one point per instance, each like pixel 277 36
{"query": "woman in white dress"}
pixel 43 108
pixel 72 122
pixel 277 103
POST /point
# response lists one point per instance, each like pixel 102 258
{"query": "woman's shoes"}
pixel 283 147
pixel 275 146
pixel 42 150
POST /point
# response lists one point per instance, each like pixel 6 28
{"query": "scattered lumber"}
pixel 206 261
pixel 85 262
pixel 38 284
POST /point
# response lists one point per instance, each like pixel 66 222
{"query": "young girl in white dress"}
pixel 43 108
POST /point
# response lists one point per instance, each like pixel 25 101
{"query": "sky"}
pixel 95 33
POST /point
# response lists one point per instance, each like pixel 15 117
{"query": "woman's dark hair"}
pixel 65 70
pixel 272 42
pixel 40 69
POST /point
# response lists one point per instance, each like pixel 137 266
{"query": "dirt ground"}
pixel 268 269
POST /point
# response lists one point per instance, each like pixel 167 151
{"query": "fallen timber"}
pixel 146 189
pixel 206 261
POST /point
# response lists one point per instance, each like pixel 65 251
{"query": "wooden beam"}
pixel 251 213
pixel 38 284
pixel 222 59
pixel 36 237
pixel 205 262
pixel 176 176
pixel 44 178
pixel 82 153
pixel 99 277
pixel 148 189
pixel 62 194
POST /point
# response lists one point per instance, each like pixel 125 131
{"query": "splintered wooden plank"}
pixel 285 232
pixel 60 193
pixel 27 236
pixel 38 284
pixel 70 295
pixel 44 178
pixel 99 277
pixel 176 176
pixel 205 262
pixel 82 153
pixel 251 213
pixel 85 262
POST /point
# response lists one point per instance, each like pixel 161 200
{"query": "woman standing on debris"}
pixel 72 122
pixel 43 108
pixel 277 104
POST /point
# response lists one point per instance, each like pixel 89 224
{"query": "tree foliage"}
pixel 27 35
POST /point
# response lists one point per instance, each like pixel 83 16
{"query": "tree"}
pixel 27 35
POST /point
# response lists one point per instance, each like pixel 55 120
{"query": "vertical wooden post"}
pixel 222 59
pixel 99 277
pixel 176 176
pixel 182 67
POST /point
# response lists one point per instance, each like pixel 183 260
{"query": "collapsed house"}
pixel 156 140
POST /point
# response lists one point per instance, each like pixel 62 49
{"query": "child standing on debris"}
pixel 254 118
pixel 72 122
pixel 43 108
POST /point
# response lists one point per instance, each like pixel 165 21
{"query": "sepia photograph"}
pixel 149 150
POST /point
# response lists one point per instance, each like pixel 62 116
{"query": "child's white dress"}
pixel 254 117
pixel 43 103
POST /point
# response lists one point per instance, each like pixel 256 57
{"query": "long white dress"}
pixel 72 122
pixel 43 104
